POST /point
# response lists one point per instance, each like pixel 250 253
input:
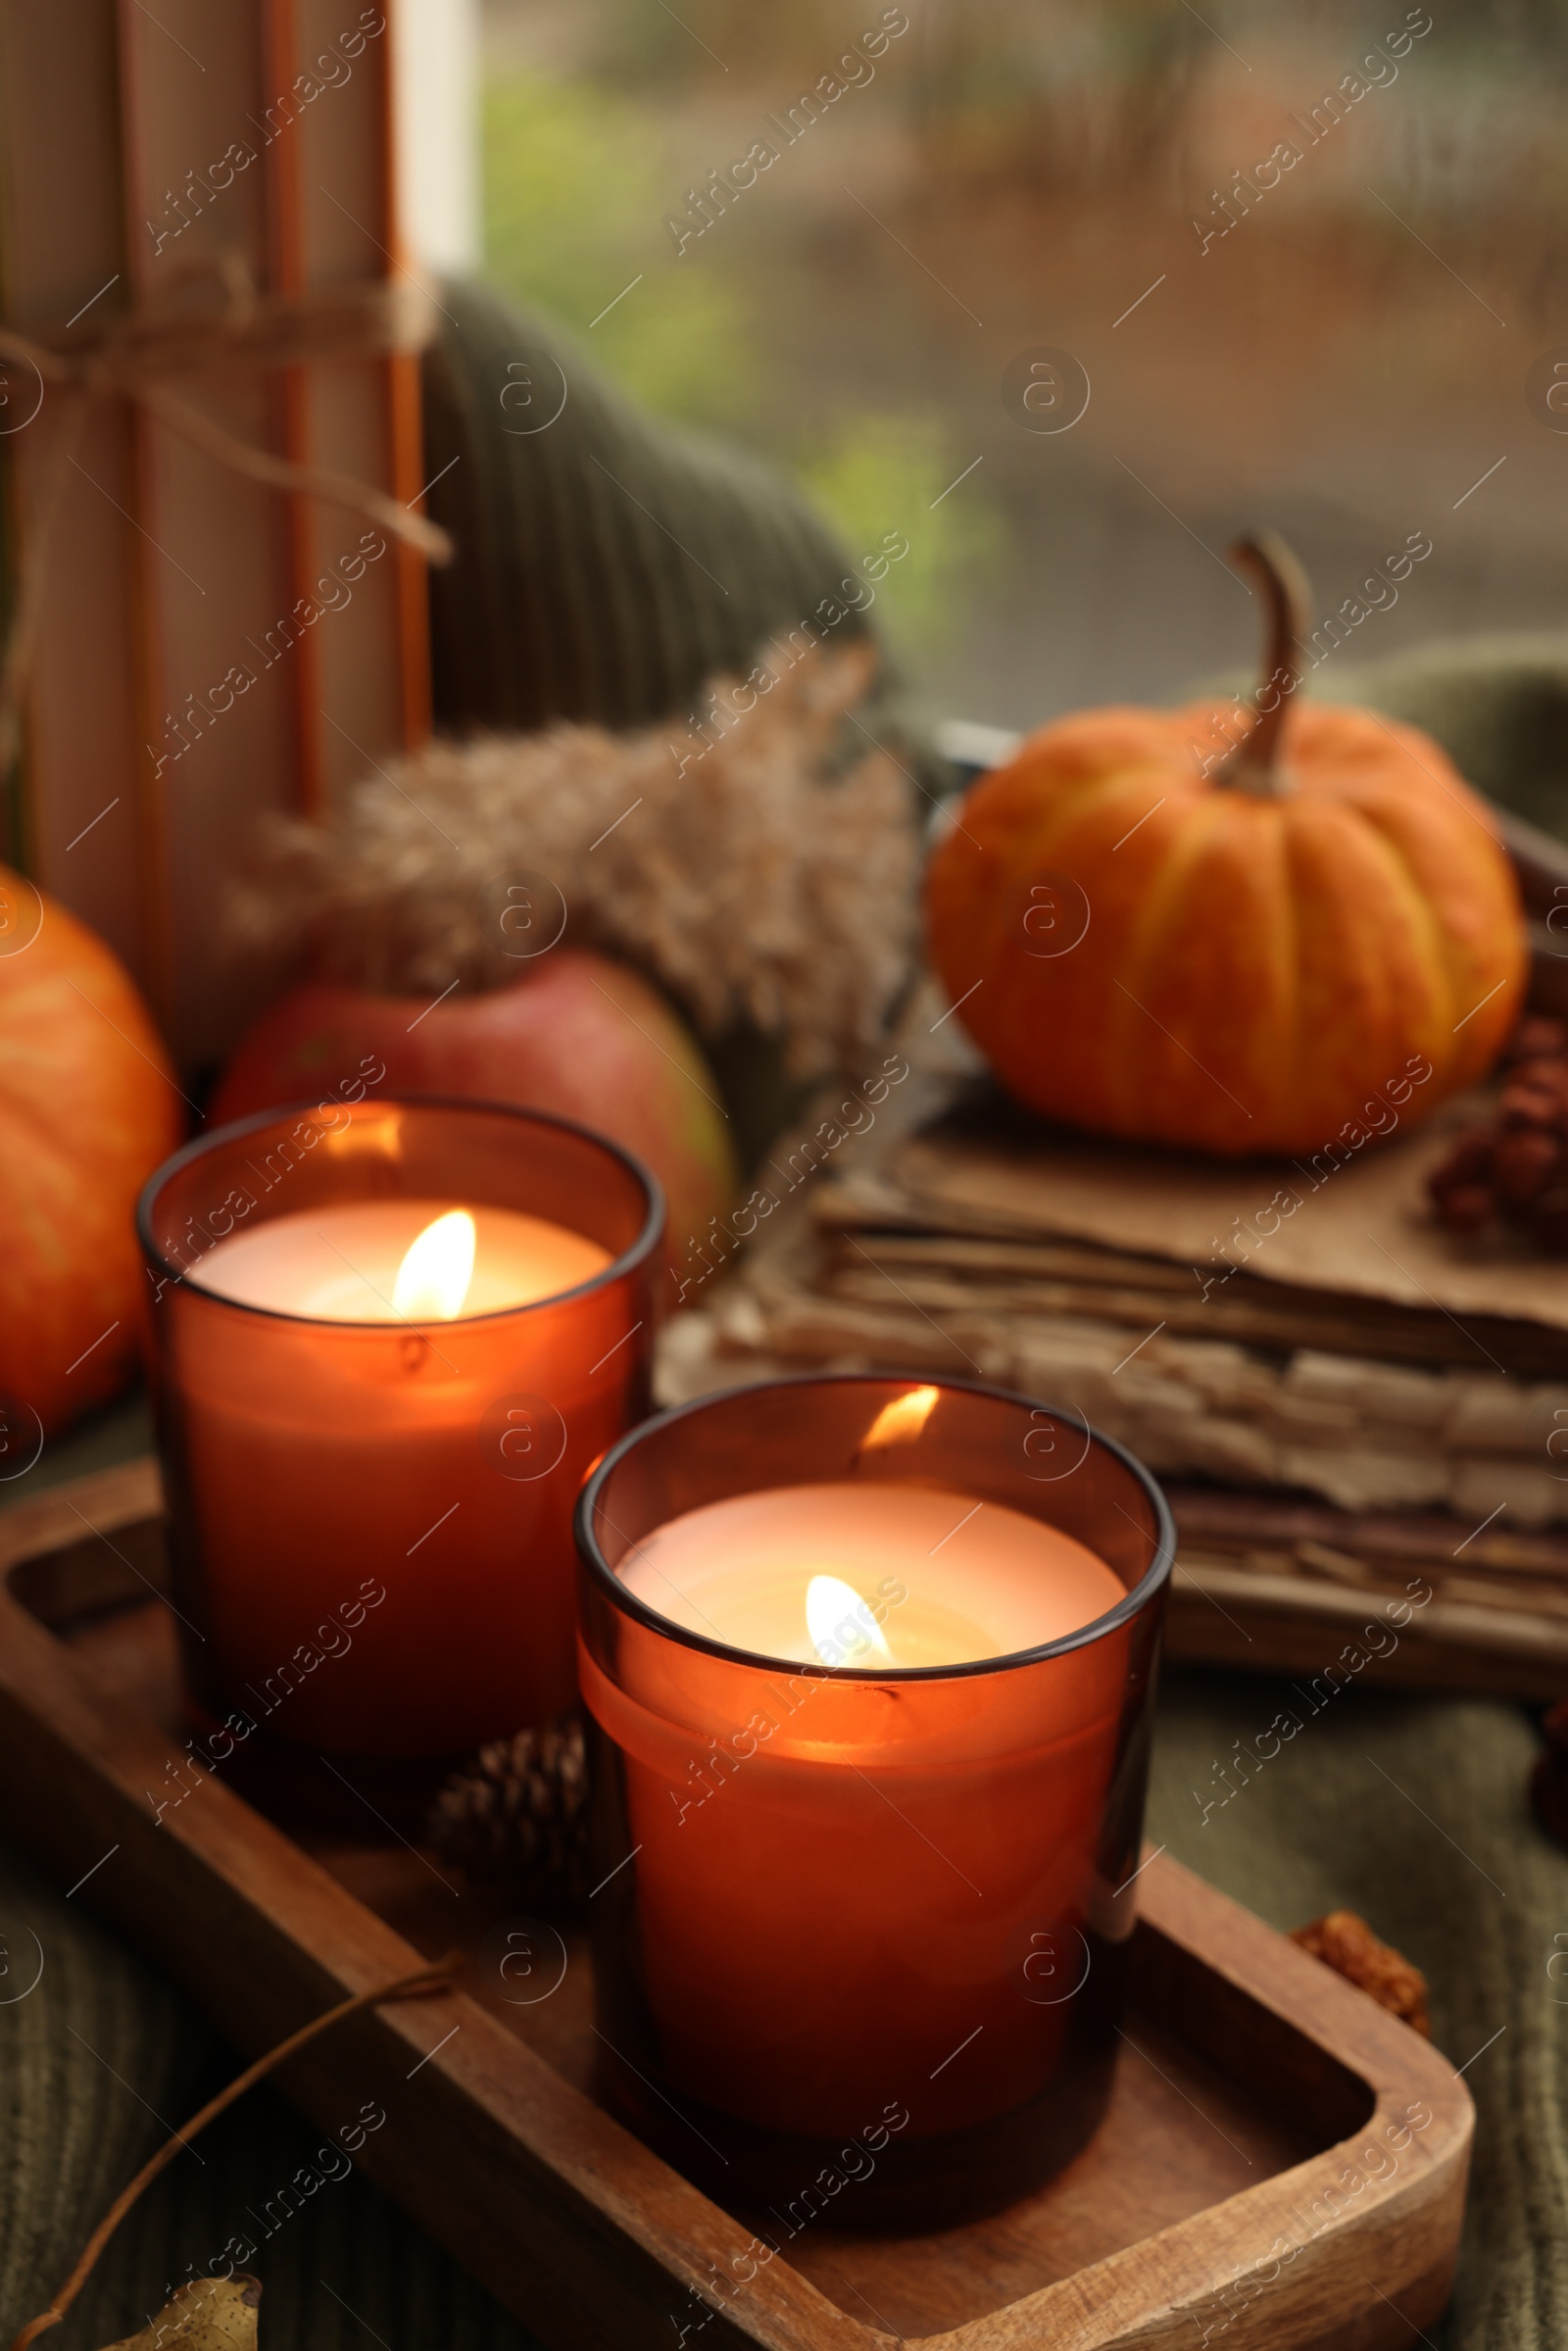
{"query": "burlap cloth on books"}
pixel 1409 1810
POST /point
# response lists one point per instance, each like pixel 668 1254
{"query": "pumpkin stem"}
pixel 1255 764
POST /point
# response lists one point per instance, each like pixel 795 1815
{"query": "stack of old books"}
pixel 201 230
pixel 1349 1409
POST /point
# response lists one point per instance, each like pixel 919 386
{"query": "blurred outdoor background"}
pixel 1009 176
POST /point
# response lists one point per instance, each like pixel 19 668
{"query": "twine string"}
pixel 133 357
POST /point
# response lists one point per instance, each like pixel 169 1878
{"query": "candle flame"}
pixel 901 1421
pixel 840 1624
pixel 433 1278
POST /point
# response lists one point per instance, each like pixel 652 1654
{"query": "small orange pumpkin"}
pixel 88 1108
pixel 1156 931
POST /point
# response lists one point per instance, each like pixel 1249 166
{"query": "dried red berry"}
pixel 1465 1208
pixel 1347 1944
pixel 1522 1163
pixel 1538 1035
pixel 1516 1167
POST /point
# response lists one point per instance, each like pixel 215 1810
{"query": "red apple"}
pixel 580 1035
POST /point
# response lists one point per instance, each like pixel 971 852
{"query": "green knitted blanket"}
pixel 1409 1810
pixel 607 564
pixel 608 567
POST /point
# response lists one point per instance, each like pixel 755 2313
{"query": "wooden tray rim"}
pixel 570 2177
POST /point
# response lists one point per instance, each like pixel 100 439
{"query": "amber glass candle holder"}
pixel 370 1522
pixel 862 1926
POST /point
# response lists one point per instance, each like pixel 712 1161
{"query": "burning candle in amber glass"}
pixel 387 1341
pixel 871 1668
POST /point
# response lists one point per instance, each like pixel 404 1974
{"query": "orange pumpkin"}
pixel 88 1108
pixel 1158 931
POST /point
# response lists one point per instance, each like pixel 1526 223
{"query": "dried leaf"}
pixel 210 2314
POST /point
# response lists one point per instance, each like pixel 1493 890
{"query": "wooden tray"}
pixel 1258 2174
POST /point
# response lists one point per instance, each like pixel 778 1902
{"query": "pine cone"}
pixel 517 1815
pixel 1348 1944
pixel 1516 1167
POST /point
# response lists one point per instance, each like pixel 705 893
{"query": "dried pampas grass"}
pixel 767 874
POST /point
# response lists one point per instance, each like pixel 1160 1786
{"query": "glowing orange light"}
pixel 901 1421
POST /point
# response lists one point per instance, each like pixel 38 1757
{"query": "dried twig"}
pixel 435 1977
